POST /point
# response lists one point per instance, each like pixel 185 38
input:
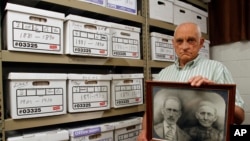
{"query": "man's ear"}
pixel 162 111
pixel 202 40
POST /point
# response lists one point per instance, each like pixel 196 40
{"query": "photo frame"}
pixel 214 101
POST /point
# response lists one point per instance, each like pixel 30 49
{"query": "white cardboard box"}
pixel 97 2
pixel 204 51
pixel 162 47
pixel 127 90
pixel 200 18
pixel 128 6
pixel 162 10
pixel 50 135
pixel 86 36
pixel 182 12
pixel 33 30
pixel 37 94
pixel 104 132
pixel 128 130
pixel 125 41
pixel 88 92
pixel 154 76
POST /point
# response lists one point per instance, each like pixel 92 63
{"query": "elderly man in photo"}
pixel 168 129
pixel 206 114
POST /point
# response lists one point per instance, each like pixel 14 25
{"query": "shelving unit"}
pixel 10 60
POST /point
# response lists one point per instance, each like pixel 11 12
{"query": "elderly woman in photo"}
pixel 206 115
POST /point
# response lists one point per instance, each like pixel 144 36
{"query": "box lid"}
pixel 128 122
pixel 87 20
pixel 127 76
pixel 160 35
pixel 40 76
pixel 89 77
pixel 125 27
pixel 32 10
pixel 90 130
pixel 199 11
pixel 183 4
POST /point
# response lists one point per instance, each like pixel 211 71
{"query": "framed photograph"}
pixel 180 112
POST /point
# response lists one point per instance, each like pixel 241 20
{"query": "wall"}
pixel 236 56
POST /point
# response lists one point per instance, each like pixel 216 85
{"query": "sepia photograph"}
pixel 179 112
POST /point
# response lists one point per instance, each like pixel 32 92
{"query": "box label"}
pixel 36 36
pixel 128 94
pixel 88 43
pixel 123 5
pixel 85 97
pixel 164 51
pixel 86 132
pixel 124 47
pixel 131 136
pixel 39 101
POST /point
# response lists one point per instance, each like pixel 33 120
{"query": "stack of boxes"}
pixel 176 12
pixel 42 94
pixel 128 6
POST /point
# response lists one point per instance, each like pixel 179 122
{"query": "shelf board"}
pixel 159 64
pixel 169 26
pixel 28 57
pixel 96 8
pixel 10 124
pixel 198 3
pixel 161 24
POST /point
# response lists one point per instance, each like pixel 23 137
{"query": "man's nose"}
pixel 184 45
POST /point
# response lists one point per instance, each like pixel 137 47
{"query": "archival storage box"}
pixel 88 92
pixel 86 37
pixel 128 6
pixel 49 135
pixel 182 12
pixel 125 41
pixel 128 130
pixel 162 10
pixel 100 132
pixel 162 47
pixel 127 90
pixel 36 94
pixel 31 29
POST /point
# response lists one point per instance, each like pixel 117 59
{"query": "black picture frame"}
pixel 222 97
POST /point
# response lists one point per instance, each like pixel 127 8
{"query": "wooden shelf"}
pixel 10 124
pixel 159 64
pixel 101 10
pixel 12 56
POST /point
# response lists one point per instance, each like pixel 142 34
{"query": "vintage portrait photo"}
pixel 181 114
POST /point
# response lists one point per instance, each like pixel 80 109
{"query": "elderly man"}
pixel 168 129
pixel 192 68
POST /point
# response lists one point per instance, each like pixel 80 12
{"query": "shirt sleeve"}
pixel 226 77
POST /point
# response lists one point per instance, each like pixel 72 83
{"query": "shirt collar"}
pixel 165 124
pixel 190 63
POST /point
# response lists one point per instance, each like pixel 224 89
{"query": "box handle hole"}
pixel 161 3
pixel 90 82
pixel 92 27
pixel 40 83
pixel 38 19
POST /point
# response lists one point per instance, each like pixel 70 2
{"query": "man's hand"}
pixel 142 136
pixel 199 80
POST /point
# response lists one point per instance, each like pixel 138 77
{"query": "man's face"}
pixel 171 111
pixel 206 116
pixel 187 43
